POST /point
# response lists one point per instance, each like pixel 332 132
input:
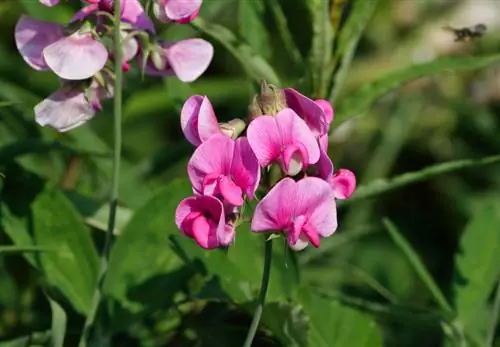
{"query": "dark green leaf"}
pixel 252 28
pixel 361 100
pixel 288 322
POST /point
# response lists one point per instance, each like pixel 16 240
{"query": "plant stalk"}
pixel 113 202
pixel 262 294
pixel 494 318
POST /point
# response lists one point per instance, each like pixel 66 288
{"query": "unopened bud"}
pixel 233 128
pixel 269 102
pixel 158 60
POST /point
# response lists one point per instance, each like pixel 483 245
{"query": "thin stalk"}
pixel 494 318
pixel 113 203
pixel 262 295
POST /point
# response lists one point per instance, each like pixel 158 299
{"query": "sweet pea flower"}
pixel 44 46
pixel 327 108
pixel 202 218
pixel 310 111
pixel 303 210
pixel 186 59
pixel 198 120
pixel 72 105
pixel 286 139
pixel 179 11
pixel 225 168
pixel 49 3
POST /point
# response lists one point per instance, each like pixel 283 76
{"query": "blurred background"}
pixel 445 117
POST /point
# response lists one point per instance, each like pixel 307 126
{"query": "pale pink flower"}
pixel 198 120
pixel 186 59
pixel 310 111
pixel 285 139
pixel 49 3
pixel 202 218
pixel 179 11
pixel 303 210
pixel 225 168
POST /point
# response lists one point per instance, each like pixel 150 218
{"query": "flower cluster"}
pixel 287 133
pixel 81 54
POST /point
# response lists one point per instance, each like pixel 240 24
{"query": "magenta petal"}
pixel 64 110
pixel 207 121
pixel 324 166
pixel 276 210
pixel 213 158
pixel 327 109
pixel 294 130
pixel 308 110
pixel 230 191
pixel 315 200
pixel 189 58
pixel 343 184
pixel 264 138
pixel 76 57
pixel 133 13
pixel 49 3
pixel 177 10
pixel 245 168
pixel 189 119
pixel 32 36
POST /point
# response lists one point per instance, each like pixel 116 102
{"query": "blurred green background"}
pixel 443 117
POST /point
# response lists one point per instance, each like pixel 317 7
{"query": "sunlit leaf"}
pixel 59 321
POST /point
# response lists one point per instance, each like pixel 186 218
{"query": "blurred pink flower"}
pixel 285 138
pixel 310 111
pixel 198 120
pixel 303 210
pixel 179 11
pixel 49 3
pixel 225 168
pixel 202 218
pixel 186 59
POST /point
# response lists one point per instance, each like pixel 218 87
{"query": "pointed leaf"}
pixel 252 27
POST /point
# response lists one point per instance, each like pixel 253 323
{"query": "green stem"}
pixel 113 203
pixel 262 295
pixel 494 319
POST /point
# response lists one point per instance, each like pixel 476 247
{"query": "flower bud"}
pixel 159 61
pixel 233 128
pixel 269 102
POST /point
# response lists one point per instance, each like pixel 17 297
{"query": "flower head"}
pixel 202 218
pixel 225 168
pixel 179 11
pixel 285 138
pixel 303 210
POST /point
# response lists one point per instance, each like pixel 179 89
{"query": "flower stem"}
pixel 494 319
pixel 113 203
pixel 262 295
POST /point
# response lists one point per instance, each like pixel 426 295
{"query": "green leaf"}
pixel 61 14
pixel 59 321
pixel 35 339
pixel 252 28
pixel 143 272
pixel 382 186
pixel 322 45
pixel 477 263
pixel 333 324
pixel 24 249
pixel 348 40
pixel 418 266
pixel 288 322
pixel 361 100
pixel 35 215
pixel 253 63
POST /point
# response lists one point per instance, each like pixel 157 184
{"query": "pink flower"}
pixel 303 210
pixel 285 138
pixel 71 106
pixel 179 11
pixel 44 46
pixel 310 111
pixel 132 12
pixel 186 59
pixel 198 120
pixel 225 168
pixel 327 110
pixel 49 3
pixel 202 218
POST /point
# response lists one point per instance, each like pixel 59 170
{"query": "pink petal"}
pixel 32 36
pixel 177 10
pixel 130 47
pixel 227 236
pixel 295 157
pixel 189 58
pixel 189 118
pixel 294 130
pixel 343 184
pixel 323 143
pixel 212 157
pixel 207 121
pixel 245 168
pixel 315 200
pixel 264 138
pixel 76 57
pixel 84 12
pixel 133 13
pixel 308 110
pixel 276 210
pixel 64 110
pixel 230 191
pixel 327 110
pixel 205 233
pixel 49 3
pixel 324 166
